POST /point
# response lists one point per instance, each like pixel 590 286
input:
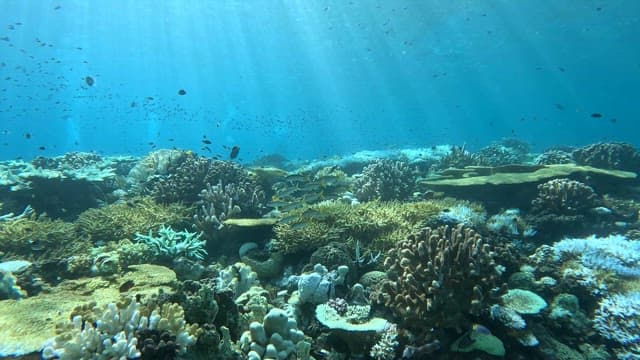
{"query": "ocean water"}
pixel 311 79
pixel 325 180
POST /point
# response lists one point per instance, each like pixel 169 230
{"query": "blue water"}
pixel 312 78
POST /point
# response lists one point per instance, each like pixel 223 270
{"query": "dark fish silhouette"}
pixel 182 92
pixel 234 152
pixel 206 141
pixel 89 80
pixel 596 115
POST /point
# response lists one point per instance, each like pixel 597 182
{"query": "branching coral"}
pixel 564 196
pixel 170 244
pixel 504 152
pixel 385 180
pixel 377 225
pixel 618 319
pixel 122 220
pixel 28 237
pixel 439 275
pixel 114 334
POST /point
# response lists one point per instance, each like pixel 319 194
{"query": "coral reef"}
pixel 122 220
pixel 170 244
pixel 355 327
pixel 565 197
pixel 385 180
pixel 439 276
pixel 377 225
pixel 115 333
pixel 554 156
pixel 504 152
pixel 618 319
pixel 277 337
pixel 611 155
pixel 614 253
pixel 38 238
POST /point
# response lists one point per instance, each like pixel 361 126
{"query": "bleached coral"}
pixel 113 335
pixel 618 319
pixel 614 253
pixel 277 337
pixel 385 348
pixel 462 214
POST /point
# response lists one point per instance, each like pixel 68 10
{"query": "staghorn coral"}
pixel 122 220
pixel 612 155
pixel 438 276
pixel 564 197
pixel 457 158
pixel 40 238
pixel 170 244
pixel 385 180
pixel 377 225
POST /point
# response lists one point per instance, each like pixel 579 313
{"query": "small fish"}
pixel 614 120
pixel 206 148
pixel 288 219
pixel 133 104
pixel 27 136
pixel 182 92
pixel 126 286
pixel 89 81
pixel 206 141
pixel 234 152
pixel 4 38
pixel 559 106
pixel 57 7
pixel 42 148
pixel 596 115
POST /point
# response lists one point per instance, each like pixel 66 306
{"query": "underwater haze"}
pixel 307 79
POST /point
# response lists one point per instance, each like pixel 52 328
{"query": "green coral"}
pixel 377 225
pixel 123 220
pixel 40 238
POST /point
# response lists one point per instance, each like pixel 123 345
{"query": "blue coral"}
pixel 614 253
pixel 618 319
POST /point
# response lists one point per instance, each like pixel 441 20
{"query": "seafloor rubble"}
pixel 435 253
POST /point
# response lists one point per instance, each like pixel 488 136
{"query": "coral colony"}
pixel 438 253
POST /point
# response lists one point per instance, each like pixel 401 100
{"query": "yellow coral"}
pixel 123 220
pixel 378 225
pixel 39 237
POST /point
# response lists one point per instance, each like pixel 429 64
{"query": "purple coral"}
pixel 340 305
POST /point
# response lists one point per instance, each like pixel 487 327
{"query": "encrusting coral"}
pixel 439 276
